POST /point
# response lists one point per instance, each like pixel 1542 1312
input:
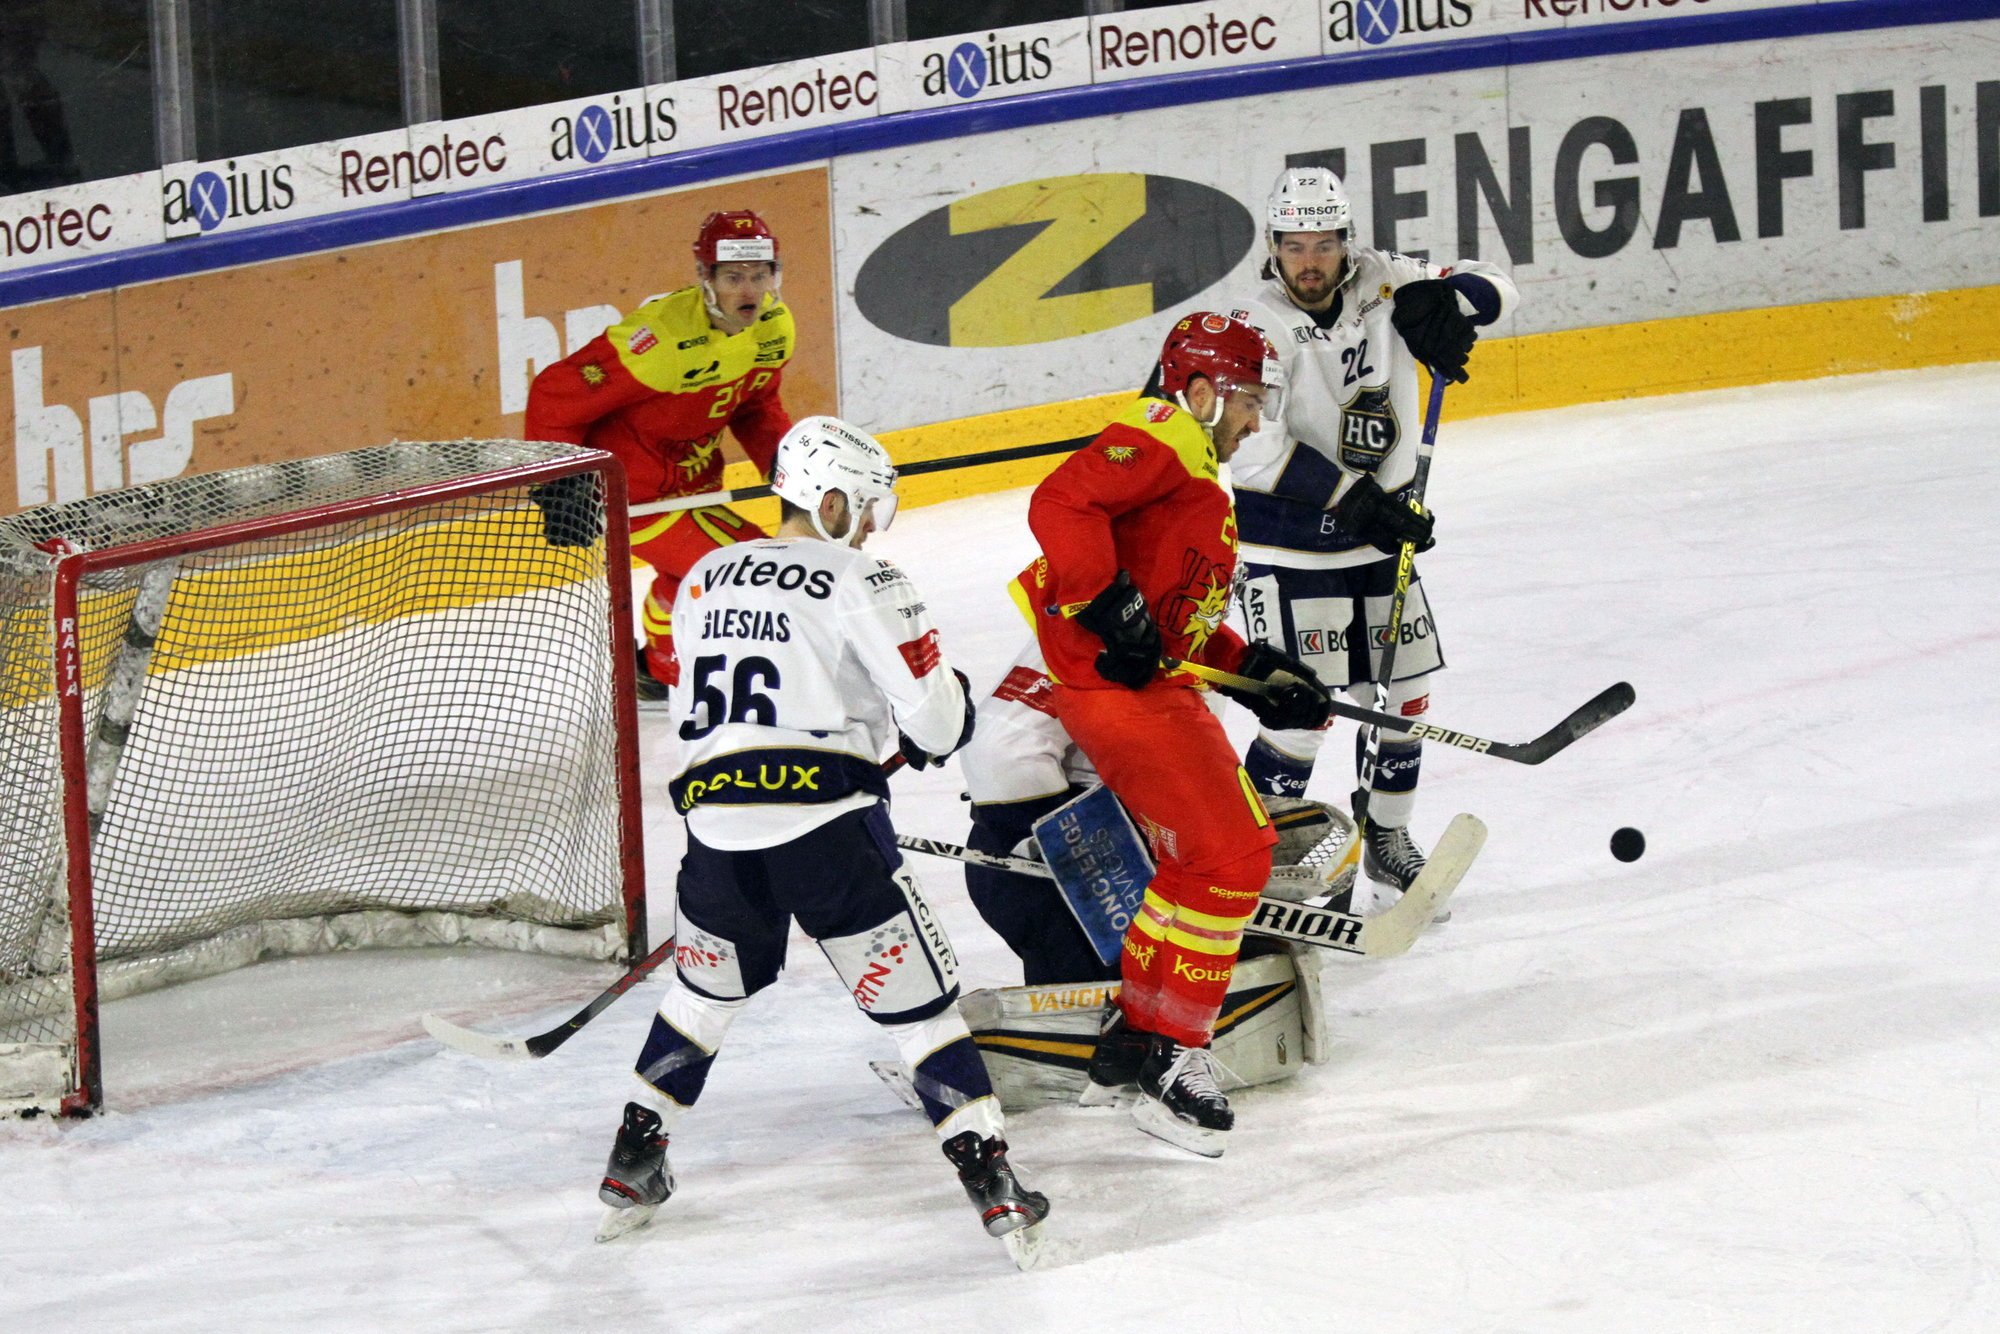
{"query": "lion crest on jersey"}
pixel 1205 591
pixel 1368 429
pixel 698 456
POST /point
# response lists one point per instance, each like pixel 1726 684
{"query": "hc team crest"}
pixel 1368 429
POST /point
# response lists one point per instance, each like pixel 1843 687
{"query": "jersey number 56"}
pixel 746 702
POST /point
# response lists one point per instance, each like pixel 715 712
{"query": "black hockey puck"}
pixel 1627 844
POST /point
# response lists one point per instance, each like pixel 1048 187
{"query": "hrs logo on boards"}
pixel 968 69
pixel 1378 21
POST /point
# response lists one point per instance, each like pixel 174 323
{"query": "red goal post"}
pixel 375 698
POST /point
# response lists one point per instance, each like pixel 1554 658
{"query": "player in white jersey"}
pixel 1323 497
pixel 799 662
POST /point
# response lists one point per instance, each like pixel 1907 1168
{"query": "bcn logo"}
pixel 50 454
pixel 1050 259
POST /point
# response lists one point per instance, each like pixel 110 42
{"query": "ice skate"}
pixel 1007 1209
pixel 1393 858
pixel 1180 1100
pixel 638 1179
pixel 1114 1066
pixel 652 691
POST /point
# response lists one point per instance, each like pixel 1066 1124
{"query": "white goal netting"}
pixel 385 718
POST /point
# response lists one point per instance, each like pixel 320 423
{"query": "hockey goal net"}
pixel 376 698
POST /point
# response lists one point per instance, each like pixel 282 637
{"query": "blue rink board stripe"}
pixel 798 147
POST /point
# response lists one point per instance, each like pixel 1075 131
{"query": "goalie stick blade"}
pixel 1386 934
pixel 1393 932
pixel 472 1043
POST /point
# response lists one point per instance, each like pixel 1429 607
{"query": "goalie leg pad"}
pixel 1036 1041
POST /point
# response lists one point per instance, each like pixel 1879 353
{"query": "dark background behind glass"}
pixel 717 36
pixel 944 18
pixel 496 55
pixel 76 92
pixel 274 73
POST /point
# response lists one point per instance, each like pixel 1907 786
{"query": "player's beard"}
pixel 1322 284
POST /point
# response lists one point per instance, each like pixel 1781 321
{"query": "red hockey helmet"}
pixel 737 235
pixel 1228 352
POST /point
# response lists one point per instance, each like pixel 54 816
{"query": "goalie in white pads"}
pixel 1323 498
pixel 799 662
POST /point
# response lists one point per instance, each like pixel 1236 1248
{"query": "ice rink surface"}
pixel 1749 1082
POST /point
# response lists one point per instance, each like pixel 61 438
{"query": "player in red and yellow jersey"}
pixel 657 389
pixel 1138 542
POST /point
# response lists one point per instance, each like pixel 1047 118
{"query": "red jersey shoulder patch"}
pixel 643 340
pixel 1159 412
pixel 922 654
pixel 1025 685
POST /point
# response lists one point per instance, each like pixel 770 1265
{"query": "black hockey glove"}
pixel 1374 516
pixel 1118 616
pixel 1438 333
pixel 1293 700
pixel 916 756
pixel 570 510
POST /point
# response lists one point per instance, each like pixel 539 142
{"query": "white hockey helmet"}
pixel 822 454
pixel 1306 199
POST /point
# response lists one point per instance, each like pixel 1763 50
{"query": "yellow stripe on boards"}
pixel 1726 350
pixel 234 610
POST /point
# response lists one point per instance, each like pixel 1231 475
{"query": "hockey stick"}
pixel 1583 720
pixel 492 1048
pixel 1406 564
pixel 1379 937
pixel 1009 454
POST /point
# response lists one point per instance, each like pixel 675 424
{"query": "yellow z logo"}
pixel 1081 215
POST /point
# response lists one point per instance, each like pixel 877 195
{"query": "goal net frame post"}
pixel 72 565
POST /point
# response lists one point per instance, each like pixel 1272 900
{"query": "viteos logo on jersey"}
pixel 969 68
pixel 1377 22
pixel 210 198
pixel 1368 430
pixel 599 130
pixel 1051 259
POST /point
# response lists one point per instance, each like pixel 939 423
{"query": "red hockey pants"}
pixel 1166 757
pixel 671 544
